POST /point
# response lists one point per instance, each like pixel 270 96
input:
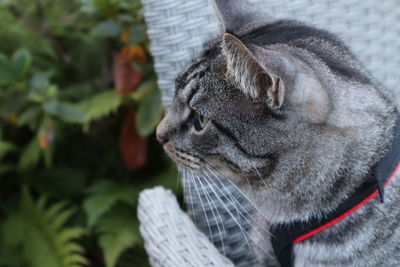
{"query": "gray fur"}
pixel 331 125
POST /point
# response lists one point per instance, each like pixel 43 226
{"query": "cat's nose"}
pixel 162 133
pixel 162 139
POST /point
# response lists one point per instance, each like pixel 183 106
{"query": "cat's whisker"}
pixel 187 182
pixel 233 198
pixel 245 233
pixel 258 173
pixel 240 191
pixel 250 188
pixel 222 182
pixel 257 224
pixel 179 181
pixel 233 201
pixel 202 206
pixel 207 195
pixel 244 195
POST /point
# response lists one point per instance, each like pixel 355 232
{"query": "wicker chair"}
pixel 178 30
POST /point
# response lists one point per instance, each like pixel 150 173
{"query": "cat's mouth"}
pixel 183 158
pixel 194 163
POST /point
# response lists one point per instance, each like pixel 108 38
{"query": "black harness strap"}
pixel 284 236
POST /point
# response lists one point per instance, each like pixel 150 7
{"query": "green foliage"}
pixel 30 155
pixel 40 233
pixel 101 105
pixel 5 148
pixel 149 113
pixel 108 28
pixel 103 195
pixel 119 231
pixel 65 111
pixel 61 117
pixel 20 63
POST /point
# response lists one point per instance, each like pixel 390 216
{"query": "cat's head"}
pixel 263 98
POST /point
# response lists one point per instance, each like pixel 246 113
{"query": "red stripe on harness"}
pixel 344 215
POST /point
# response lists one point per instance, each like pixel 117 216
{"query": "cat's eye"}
pixel 200 121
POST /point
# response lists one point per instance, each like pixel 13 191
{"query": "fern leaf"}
pixel 76 260
pixel 40 234
pixel 69 234
pixel 55 209
pixel 73 247
pixel 60 220
pixel 41 203
pixel 119 231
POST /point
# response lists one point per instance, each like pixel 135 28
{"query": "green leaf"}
pixel 48 155
pixel 137 34
pixel 103 195
pixel 125 18
pixel 106 5
pixel 5 147
pixel 20 62
pixel 119 231
pixel 30 156
pixel 108 28
pixel 29 116
pixel 14 104
pixel 65 111
pixel 40 234
pixel 6 75
pixel 40 81
pixel 101 105
pixel 87 6
pixel 144 89
pixel 149 113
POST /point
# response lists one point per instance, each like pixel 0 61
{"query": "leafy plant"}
pixel 79 104
pixel 40 233
pixel 118 232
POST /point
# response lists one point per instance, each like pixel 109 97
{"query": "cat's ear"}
pixel 250 76
pixel 275 77
pixel 235 15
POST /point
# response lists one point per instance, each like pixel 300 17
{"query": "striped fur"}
pixel 292 165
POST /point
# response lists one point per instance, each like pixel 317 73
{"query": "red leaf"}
pixel 132 146
pixel 127 78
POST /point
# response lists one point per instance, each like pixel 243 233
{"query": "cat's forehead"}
pixel 200 65
pixel 199 81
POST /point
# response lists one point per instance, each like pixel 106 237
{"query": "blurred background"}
pixel 79 105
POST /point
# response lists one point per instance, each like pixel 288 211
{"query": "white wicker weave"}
pixel 179 28
pixel 171 236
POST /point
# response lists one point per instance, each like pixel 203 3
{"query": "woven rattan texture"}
pixel 172 240
pixel 178 29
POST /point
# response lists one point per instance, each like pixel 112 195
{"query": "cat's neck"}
pixel 325 175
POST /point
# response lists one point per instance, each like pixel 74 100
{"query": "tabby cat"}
pixel 287 112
